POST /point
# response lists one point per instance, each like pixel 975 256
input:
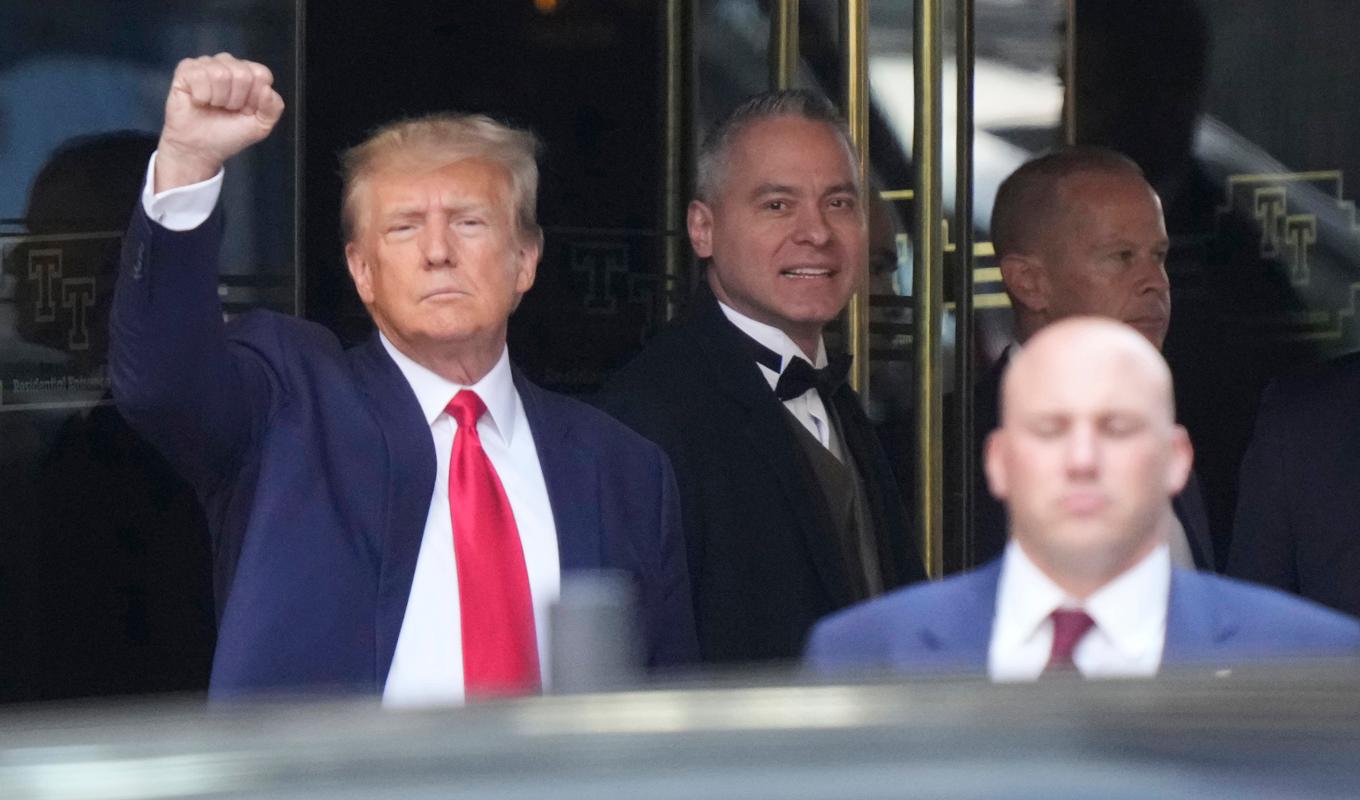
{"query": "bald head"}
pixel 1089 353
pixel 1088 454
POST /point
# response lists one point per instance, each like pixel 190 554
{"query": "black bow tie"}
pixel 800 375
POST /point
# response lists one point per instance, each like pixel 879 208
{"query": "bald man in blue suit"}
pixel 1086 459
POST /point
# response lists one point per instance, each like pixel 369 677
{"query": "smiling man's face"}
pixel 785 228
pixel 437 259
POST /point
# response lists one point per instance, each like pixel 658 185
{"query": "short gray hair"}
pixel 444 138
pixel 1027 201
pixel 717 144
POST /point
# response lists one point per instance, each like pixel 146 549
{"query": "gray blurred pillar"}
pixel 594 637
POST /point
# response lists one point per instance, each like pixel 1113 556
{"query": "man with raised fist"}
pixel 396 518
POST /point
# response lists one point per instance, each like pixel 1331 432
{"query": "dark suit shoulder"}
pixel 1316 388
pixel 663 388
pixel 668 359
pixel 296 352
pixel 275 333
pixel 586 422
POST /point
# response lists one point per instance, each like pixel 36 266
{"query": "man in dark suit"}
pixel 397 518
pixel 789 507
pixel 1086 457
pixel 1080 231
pixel 1298 523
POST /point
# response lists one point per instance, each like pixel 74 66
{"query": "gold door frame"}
pixel 928 224
pixel 677 78
pixel 855 51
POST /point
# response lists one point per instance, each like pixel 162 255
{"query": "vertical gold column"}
pixel 963 280
pixel 783 43
pixel 1069 120
pixel 855 47
pixel 928 289
pixel 676 34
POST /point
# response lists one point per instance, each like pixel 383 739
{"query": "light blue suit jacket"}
pixel 946 627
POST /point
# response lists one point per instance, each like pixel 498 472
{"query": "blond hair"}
pixel 445 138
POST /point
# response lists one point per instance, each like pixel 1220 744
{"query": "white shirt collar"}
pixel 1130 610
pixel 773 338
pixel 433 392
pixel 1025 597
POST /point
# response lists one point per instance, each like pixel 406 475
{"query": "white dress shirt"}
pixel 1129 613
pixel 807 408
pixel 428 664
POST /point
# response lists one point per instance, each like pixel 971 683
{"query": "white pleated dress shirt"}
pixel 808 407
pixel 1129 612
pixel 427 667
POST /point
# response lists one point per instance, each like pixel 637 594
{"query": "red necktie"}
pixel 500 651
pixel 1069 626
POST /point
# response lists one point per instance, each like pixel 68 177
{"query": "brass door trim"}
pixel 928 291
pixel 783 53
pixel 855 50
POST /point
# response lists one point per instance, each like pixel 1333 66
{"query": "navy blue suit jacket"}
pixel 316 467
pixel 946 627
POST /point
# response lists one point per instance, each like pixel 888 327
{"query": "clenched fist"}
pixel 218 106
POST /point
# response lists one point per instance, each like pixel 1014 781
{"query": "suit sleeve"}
pixel 175 376
pixel 1263 539
pixel 675 640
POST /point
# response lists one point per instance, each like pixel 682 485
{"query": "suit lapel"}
pixel 571 475
pixel 963 632
pixel 1196 625
pixel 408 485
pixel 767 431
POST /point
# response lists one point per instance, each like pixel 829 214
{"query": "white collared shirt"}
pixel 807 408
pixel 428 664
pixel 427 667
pixel 1129 612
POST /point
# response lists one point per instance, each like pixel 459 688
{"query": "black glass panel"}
pixel 103 552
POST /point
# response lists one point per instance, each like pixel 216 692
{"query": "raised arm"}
pixel 175 375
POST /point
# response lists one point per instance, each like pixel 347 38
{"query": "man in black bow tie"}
pixel 790 508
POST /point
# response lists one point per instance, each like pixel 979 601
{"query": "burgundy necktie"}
pixel 1069 625
pixel 500 651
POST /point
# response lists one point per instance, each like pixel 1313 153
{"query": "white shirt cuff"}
pixel 184 207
